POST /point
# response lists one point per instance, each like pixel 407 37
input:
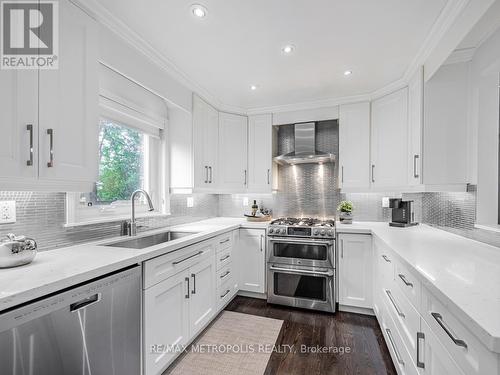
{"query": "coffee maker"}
pixel 402 213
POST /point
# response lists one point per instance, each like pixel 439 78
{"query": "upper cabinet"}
pixel 354 146
pixel 205 145
pixel 260 154
pixel 49 118
pixel 415 123
pixel 233 141
pixel 389 145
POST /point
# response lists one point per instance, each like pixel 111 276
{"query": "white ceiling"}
pixel 239 44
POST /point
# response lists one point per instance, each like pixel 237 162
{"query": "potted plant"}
pixel 345 212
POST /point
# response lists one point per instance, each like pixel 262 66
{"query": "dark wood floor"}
pixel 361 333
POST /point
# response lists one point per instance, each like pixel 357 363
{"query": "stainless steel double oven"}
pixel 301 272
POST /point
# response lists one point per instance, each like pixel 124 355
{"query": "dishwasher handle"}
pixel 85 302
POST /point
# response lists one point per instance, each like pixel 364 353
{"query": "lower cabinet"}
pixel 251 258
pixel 355 270
pixel 202 304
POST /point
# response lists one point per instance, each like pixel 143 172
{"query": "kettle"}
pixel 16 250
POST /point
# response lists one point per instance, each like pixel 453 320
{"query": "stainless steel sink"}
pixel 147 241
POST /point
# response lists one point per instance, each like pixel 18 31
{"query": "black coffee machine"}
pixel 402 213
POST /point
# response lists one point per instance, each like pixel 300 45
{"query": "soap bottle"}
pixel 255 208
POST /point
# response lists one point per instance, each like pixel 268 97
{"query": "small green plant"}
pixel 345 206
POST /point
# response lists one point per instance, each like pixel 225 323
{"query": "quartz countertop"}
pixel 54 270
pixel 463 273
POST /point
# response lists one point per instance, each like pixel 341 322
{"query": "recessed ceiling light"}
pixel 199 11
pixel 288 49
pixel 253 87
pixel 348 72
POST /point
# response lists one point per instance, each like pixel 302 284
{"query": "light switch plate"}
pixel 7 212
pixel 189 201
pixel 385 202
pixel 245 202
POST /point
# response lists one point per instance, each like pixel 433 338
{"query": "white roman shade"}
pixel 124 101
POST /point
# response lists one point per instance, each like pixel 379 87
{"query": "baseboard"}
pixel 252 294
pixel 357 310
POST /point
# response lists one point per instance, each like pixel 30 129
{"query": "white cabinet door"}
pixel 355 270
pixel 436 360
pixel 202 302
pixel 18 123
pixel 205 145
pixel 390 140
pixel 232 173
pixel 260 154
pixel 415 118
pixel 251 259
pixel 166 320
pixel 354 146
pixel 69 102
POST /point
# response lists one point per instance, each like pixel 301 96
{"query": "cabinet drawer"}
pixel 224 258
pixel 384 264
pixel 225 292
pixel 405 317
pixel 408 284
pixel 465 349
pixel 162 267
pixel 224 241
pixel 224 274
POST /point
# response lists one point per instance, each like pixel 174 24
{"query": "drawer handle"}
pixel 227 273
pixel 391 298
pixel 189 257
pixel 393 344
pixel 226 257
pixel 439 319
pixel 226 240
pixel 420 336
pixel 407 283
pixel 386 258
pixel 225 294
pixel 85 302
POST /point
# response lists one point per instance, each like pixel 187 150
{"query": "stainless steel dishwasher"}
pixel 92 329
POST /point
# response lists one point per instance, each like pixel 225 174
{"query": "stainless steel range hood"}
pixel 305 149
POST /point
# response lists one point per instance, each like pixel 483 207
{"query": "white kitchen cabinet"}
pixel 389 140
pixel 202 304
pixel 233 166
pixel 205 145
pixel 260 147
pixel 251 259
pixel 354 146
pixel 355 270
pixel 19 124
pixel 415 123
pixel 167 320
pixel 68 97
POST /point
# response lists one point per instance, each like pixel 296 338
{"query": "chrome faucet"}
pixel 131 227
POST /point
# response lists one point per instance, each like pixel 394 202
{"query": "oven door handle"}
pixel 305 242
pixel 328 273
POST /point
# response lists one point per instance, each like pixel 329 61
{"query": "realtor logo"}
pixel 29 35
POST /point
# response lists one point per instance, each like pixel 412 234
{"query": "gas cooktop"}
pixel 302 227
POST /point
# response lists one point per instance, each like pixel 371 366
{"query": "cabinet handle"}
pixel 187 280
pixel 50 132
pixel 226 240
pixel 391 298
pixel 342 248
pixel 373 172
pixel 245 181
pixel 439 319
pixel 393 344
pixel 261 241
pixel 29 127
pixel 407 283
pixel 189 257
pixel 225 294
pixel 342 174
pixel 386 258
pixel 415 163
pixel 210 169
pixel 227 273
pixel 193 275
pixel 268 176
pixel 224 258
pixel 206 174
pixel 420 336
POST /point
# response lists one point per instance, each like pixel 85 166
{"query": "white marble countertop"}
pixel 54 270
pixel 463 273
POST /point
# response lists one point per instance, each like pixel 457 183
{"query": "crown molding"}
pixel 448 15
pixel 460 55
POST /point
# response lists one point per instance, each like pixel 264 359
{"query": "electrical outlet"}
pixel 7 212
pixel 189 201
pixel 245 202
pixel 385 202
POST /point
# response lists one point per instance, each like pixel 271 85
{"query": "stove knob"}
pixel 330 233
pixel 283 231
pixel 323 232
pixel 316 232
pixel 271 230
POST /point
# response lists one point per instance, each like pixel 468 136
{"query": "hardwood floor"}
pixel 361 333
